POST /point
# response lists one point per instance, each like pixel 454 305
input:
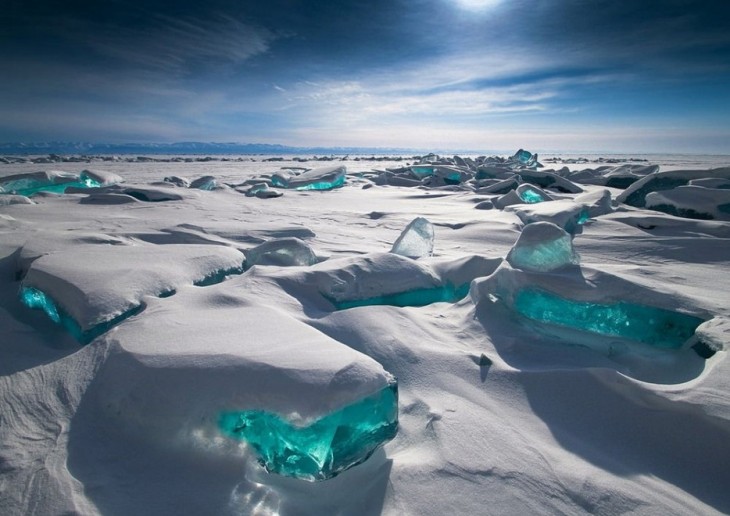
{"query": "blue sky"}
pixel 560 75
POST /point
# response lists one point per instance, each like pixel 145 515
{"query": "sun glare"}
pixel 476 5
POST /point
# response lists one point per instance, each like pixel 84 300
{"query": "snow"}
pixel 294 306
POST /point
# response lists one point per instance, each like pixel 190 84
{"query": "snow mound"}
pixel 95 285
pixel 692 202
pixel 174 378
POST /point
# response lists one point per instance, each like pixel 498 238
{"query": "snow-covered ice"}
pixel 416 336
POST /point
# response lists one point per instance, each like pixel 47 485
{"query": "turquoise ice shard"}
pixel 531 194
pixel 654 326
pixel 525 158
pixel 542 247
pixel 37 299
pixel 325 178
pixel 416 240
pixel 323 448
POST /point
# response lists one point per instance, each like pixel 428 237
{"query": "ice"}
pixel 547 179
pixel 693 202
pixel 654 326
pixel 531 194
pixel 37 299
pixel 8 199
pixel 542 247
pixel 419 297
pixel 564 213
pixel 636 194
pixel 416 240
pixel 284 252
pixel 525 158
pixel 205 183
pixel 262 191
pixel 323 448
pixel 96 284
pixel 325 178
pixel 52 182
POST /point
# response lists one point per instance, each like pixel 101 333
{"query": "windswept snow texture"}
pixel 365 335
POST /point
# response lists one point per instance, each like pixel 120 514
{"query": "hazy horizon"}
pixel 612 77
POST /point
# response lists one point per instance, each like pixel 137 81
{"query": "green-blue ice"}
pixel 420 297
pixel 654 326
pixel 323 448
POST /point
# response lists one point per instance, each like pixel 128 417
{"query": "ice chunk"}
pixel 531 194
pixel 177 181
pixel 597 203
pixel 325 178
pixel 636 194
pixel 205 183
pixel 283 252
pixel 8 199
pixel 692 202
pixel 262 191
pixel 421 171
pixel 101 177
pixel 252 360
pixel 416 241
pixel 50 181
pixel 420 297
pixel 324 448
pixel 97 284
pixel 37 299
pixel 563 213
pixel 542 247
pixel 525 159
pixel 546 179
pixel 654 326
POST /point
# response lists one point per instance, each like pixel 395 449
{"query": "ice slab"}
pixel 235 369
pixel 34 183
pixel 525 158
pixel 594 309
pixel 262 191
pixel 564 213
pixel 284 252
pixel 325 178
pixel 416 240
pixel 208 183
pixel 542 247
pixel 636 194
pixel 323 448
pixel 654 326
pixel 546 179
pixel 96 284
pixel 692 202
pixel 420 297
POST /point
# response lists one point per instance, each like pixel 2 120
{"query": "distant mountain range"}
pixel 208 148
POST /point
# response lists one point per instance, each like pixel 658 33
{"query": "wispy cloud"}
pixel 176 45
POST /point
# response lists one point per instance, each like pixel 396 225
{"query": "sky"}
pixel 547 75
